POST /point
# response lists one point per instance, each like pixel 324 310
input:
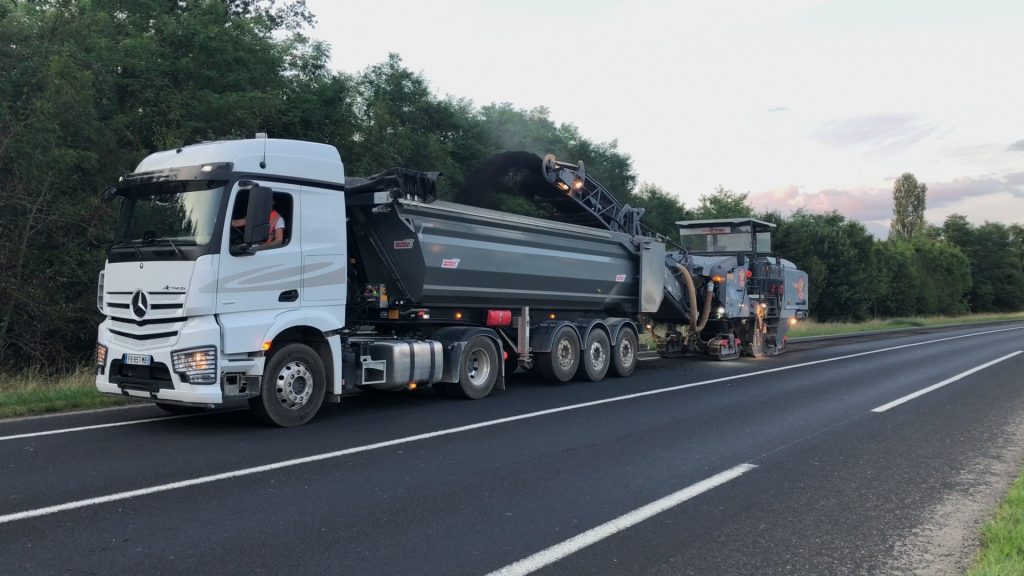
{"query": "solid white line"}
pixel 109 425
pixel 594 535
pixel 959 376
pixel 339 453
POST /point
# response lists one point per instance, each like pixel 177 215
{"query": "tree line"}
pixel 89 87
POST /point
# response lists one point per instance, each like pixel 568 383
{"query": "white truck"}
pixel 374 283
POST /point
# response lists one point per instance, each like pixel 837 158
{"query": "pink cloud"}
pixel 875 204
pixel 857 203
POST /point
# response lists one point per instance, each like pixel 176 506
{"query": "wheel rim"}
pixel 597 356
pixel 478 367
pixel 294 385
pixel 626 352
pixel 565 355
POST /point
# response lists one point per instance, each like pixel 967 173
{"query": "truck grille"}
pixel 160 326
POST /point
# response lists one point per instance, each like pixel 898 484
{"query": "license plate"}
pixel 138 359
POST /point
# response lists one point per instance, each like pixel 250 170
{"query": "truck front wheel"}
pixel 293 388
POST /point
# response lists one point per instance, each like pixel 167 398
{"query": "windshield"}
pixel 170 216
pixel 717 239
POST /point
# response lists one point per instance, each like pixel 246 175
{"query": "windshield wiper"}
pixel 134 244
pixel 176 250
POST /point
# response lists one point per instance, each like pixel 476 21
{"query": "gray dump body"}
pixel 446 254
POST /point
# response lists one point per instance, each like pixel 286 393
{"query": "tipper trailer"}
pixel 376 284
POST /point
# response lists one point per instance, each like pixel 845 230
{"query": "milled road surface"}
pixel 800 464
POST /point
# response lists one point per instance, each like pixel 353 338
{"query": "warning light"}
pixel 792 321
pixel 411 386
pixel 717 278
pixel 504 354
pixel 750 273
pixel 266 346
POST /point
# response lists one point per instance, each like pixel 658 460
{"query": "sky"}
pixel 810 104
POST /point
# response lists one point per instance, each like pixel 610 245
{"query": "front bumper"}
pixel 159 382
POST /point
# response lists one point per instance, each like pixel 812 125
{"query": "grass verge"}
pixel 812 328
pixel 1002 550
pixel 34 392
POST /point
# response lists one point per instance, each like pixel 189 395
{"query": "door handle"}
pixel 288 296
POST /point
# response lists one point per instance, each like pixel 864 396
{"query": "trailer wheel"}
pixel 561 363
pixel 293 388
pixel 595 356
pixel 478 371
pixel 624 357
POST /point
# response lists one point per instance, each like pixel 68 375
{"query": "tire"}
pixel 478 370
pixel 179 410
pixel 293 388
pixel 624 353
pixel 561 363
pixel 595 357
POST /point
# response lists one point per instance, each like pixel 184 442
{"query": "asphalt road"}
pixel 800 464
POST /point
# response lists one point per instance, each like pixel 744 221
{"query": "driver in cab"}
pixel 277 226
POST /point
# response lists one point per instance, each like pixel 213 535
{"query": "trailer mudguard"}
pixel 453 339
pixel 543 335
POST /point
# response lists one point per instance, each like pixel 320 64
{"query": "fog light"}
pixel 196 366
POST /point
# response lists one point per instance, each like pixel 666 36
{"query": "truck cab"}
pixel 192 293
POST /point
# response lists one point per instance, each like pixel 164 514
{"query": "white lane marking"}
pixel 659 391
pixel 594 535
pixel 959 376
pixel 339 453
pixel 111 425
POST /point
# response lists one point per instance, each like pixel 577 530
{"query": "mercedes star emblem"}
pixel 140 304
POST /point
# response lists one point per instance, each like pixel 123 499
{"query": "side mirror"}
pixel 108 194
pixel 257 217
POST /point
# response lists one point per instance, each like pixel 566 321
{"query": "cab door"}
pixel 253 289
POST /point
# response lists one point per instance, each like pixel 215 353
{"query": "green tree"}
pixel 945 277
pixel 723 203
pixel 86 89
pixel 662 210
pixel 839 258
pixel 908 196
pixel 897 279
pixel 997 268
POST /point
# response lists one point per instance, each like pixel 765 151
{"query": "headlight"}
pixel 99 292
pixel 196 366
pixel 101 358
